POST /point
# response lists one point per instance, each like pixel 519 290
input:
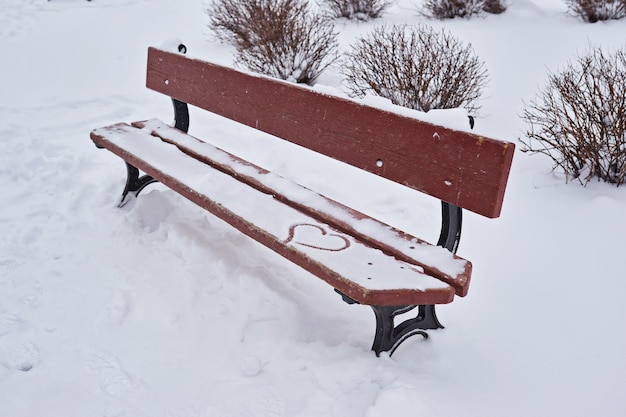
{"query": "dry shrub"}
pixel 494 6
pixel 415 67
pixel 579 120
pixel 449 9
pixel 279 38
pixel 357 9
pixel 595 10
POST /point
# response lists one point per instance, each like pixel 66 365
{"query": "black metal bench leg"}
pixel 134 183
pixel 389 336
pixel 429 318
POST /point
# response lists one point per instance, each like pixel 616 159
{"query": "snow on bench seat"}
pixel 435 260
pixel 270 213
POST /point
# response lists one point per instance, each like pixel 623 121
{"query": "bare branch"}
pixel 596 10
pixel 450 9
pixel 357 9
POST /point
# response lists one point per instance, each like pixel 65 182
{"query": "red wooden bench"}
pixel 363 259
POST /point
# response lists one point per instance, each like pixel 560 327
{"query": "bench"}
pixel 365 260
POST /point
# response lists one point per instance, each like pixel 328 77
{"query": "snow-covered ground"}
pixel 159 309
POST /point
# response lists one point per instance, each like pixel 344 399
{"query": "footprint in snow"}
pixel 246 400
pixel 17 353
pixel 113 378
pixel 17 17
pixel 10 323
pixel 117 309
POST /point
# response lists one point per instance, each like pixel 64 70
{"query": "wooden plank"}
pixel 435 261
pixel 365 274
pixel 464 169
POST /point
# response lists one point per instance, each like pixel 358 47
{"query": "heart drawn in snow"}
pixel 316 237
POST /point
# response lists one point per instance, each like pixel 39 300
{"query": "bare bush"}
pixel 450 9
pixel 357 9
pixel 279 38
pixel 494 6
pixel 579 120
pixel 416 67
pixel 595 10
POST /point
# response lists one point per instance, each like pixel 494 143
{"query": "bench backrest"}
pixel 464 169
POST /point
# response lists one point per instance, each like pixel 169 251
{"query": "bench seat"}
pixel 362 258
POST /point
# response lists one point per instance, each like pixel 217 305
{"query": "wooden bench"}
pixel 363 259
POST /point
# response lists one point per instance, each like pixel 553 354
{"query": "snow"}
pixel 159 309
pixel 434 256
pixel 349 257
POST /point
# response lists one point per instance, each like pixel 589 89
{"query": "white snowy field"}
pixel 160 310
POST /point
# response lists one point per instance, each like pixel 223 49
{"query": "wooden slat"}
pixel 365 274
pixel 464 169
pixel 435 261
